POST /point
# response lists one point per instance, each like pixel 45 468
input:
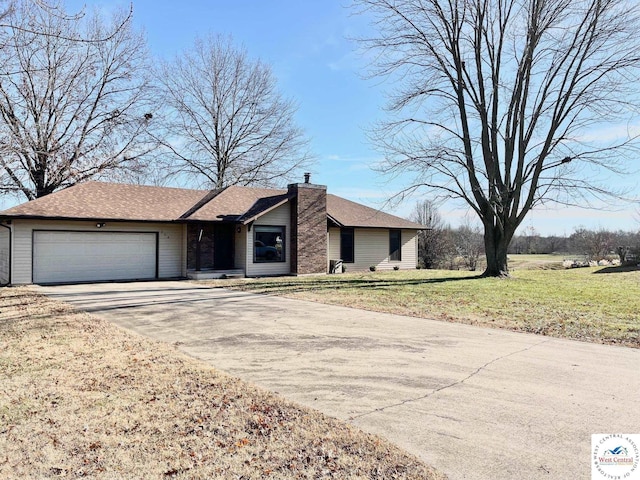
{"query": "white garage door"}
pixel 93 256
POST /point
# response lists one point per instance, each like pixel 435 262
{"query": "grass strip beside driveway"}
pixel 80 397
pixel 599 304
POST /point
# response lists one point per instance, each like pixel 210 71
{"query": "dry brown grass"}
pixel 80 397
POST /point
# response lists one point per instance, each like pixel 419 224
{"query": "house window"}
pixel 395 245
pixel 268 244
pixel 347 245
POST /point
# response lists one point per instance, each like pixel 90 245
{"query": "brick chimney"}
pixel 308 227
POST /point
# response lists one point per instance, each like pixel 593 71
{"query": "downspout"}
pixel 10 259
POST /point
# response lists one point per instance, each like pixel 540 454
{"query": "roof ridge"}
pixel 249 187
pixel 141 185
pixel 210 195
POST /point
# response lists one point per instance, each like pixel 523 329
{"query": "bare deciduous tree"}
pixel 468 244
pixel 434 246
pixel 73 98
pixel 497 101
pixel 594 244
pixel 226 122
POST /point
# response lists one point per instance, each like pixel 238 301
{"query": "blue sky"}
pixel 307 43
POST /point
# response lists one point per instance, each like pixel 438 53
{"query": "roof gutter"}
pixel 338 224
pixel 87 219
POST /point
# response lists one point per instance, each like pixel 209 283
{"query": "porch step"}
pixel 209 274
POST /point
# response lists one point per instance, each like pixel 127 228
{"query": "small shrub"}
pixel 396 267
pixel 372 268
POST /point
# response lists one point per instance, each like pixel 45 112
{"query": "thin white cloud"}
pixel 347 62
pixel 610 133
pixel 359 194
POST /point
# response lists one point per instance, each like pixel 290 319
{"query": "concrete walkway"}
pixel 475 403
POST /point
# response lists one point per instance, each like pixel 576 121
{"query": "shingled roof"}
pixel 234 203
pixel 346 213
pixel 114 201
pixel 110 201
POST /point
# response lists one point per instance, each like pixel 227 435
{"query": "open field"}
pixel 532 262
pixel 600 304
pixel 80 397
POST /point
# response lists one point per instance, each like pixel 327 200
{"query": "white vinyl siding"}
pixel 171 259
pixel 5 255
pixel 280 216
pixel 371 247
pixel 240 260
pixel 333 246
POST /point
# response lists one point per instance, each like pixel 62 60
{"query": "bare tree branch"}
pixel 74 99
pixel 495 99
pixel 55 9
pixel 225 123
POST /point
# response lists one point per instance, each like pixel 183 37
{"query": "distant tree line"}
pixel 591 244
pixel 461 248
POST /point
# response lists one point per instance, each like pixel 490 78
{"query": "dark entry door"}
pixel 200 245
pixel 223 246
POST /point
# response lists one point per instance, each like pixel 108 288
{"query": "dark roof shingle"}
pixel 234 202
pixel 351 214
pixel 113 201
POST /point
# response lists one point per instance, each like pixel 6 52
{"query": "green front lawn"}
pixel 600 304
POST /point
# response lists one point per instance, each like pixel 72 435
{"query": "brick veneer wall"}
pixel 308 228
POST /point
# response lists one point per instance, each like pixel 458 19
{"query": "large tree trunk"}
pixel 514 86
pixel 496 244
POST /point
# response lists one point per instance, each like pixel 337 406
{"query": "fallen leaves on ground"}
pixel 80 397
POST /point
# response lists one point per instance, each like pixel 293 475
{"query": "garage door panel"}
pixel 93 256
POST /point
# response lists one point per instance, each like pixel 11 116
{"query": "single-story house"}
pixel 98 231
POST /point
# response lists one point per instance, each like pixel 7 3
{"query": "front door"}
pixel 200 244
pixel 210 246
pixel 223 246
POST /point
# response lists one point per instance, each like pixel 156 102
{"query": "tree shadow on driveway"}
pixel 296 286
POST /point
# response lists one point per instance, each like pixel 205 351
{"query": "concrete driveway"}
pixel 475 403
